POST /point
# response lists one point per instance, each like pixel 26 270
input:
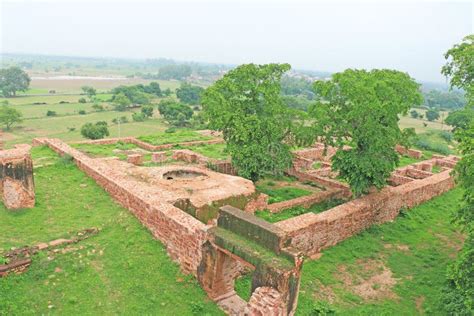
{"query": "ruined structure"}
pixel 16 178
pixel 205 218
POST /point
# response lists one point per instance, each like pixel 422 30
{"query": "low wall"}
pixel 182 234
pixel 413 153
pixel 147 146
pixel 310 233
pixel 307 201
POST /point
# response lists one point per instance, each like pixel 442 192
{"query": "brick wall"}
pixel 182 234
pixel 16 178
pixel 311 232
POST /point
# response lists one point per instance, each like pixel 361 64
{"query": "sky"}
pixel 410 36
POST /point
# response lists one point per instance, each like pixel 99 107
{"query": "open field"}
pixel 120 270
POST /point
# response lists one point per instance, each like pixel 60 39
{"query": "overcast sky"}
pixel 329 36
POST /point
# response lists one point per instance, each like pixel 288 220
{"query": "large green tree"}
pixel 361 108
pixel 12 80
pixel 246 106
pixel 459 294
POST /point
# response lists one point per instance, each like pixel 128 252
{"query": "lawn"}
pixel 178 136
pixel 121 270
pixel 281 189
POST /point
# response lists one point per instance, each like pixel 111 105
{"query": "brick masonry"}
pixel 310 233
pixel 16 178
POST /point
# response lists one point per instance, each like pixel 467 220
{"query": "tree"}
pixel 177 72
pixel 121 102
pixel 89 91
pixel 189 94
pixel 176 114
pixel 460 119
pixel 432 115
pixel 361 108
pixel 246 106
pixel 82 100
pixel 153 88
pixel 9 116
pixel 13 79
pixel 414 114
pixel 95 131
pixel 147 110
pixel 459 292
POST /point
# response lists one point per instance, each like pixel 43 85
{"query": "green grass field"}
pixel 122 270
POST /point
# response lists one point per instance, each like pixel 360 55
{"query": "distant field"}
pixel 58 127
pixel 417 124
pixel 74 86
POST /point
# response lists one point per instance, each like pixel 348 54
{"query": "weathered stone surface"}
pixel 158 157
pixel 136 159
pixel 16 178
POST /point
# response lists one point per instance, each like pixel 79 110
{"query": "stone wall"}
pixel 16 178
pixel 310 233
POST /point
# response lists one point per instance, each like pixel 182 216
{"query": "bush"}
pixel 63 102
pixel 95 131
pixel 122 119
pixel 138 117
pixel 171 130
pixel 82 100
pixel 147 110
pixel 432 115
pixel 51 113
pixel 425 144
pixel 98 107
pixel 447 136
pixel 82 112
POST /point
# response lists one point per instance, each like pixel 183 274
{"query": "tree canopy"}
pixel 246 106
pixel 361 109
pixel 12 80
pixel 459 294
pixel 175 113
pixel 189 94
pixel 95 131
pixel 177 72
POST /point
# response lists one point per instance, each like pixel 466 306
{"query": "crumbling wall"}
pixel 310 233
pixel 16 178
pixel 413 153
pixel 182 234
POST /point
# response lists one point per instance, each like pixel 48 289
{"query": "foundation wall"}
pixel 182 234
pixel 310 233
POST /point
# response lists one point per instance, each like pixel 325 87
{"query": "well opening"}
pixel 182 174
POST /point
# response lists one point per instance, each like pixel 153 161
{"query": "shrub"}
pixel 447 136
pixel 435 147
pixel 82 100
pixel 147 110
pixel 63 102
pixel 51 113
pixel 71 129
pixel 138 117
pixel 95 131
pixel 82 112
pixel 171 130
pixel 98 107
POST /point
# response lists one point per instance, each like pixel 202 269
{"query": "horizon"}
pixel 410 37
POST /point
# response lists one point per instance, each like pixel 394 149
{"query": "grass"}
pixel 430 241
pixel 216 151
pixel 122 270
pixel 179 136
pixel 281 191
pixel 59 127
pixel 106 150
pixel 298 210
pixel 405 161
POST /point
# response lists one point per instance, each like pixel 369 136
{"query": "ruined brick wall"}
pixel 16 178
pixel 413 153
pixel 266 301
pixel 145 145
pixel 307 201
pixel 182 234
pixel 311 232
